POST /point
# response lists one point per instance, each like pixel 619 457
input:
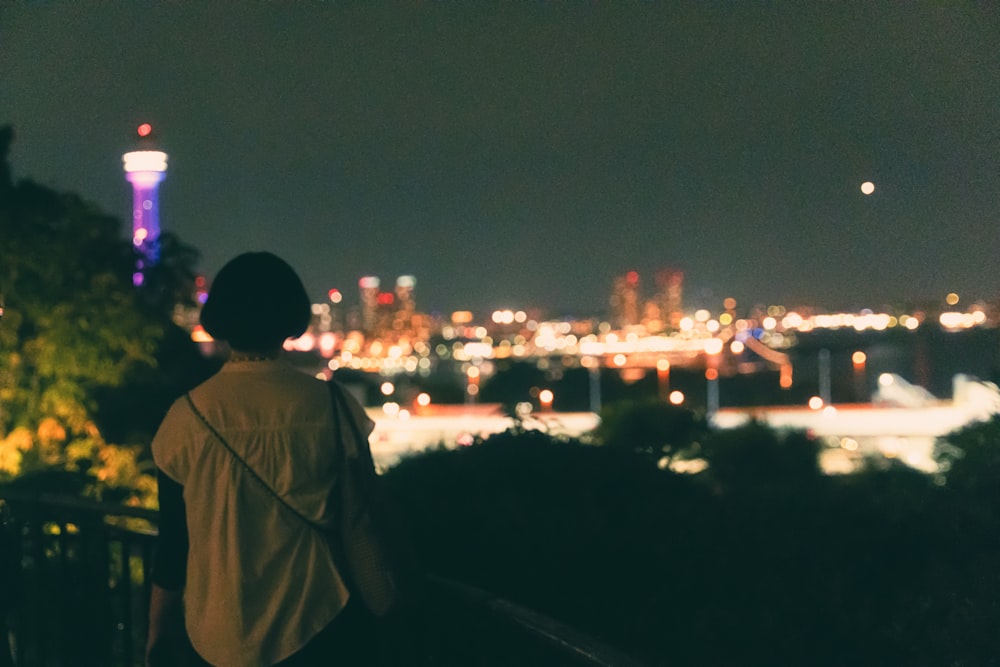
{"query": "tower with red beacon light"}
pixel 145 168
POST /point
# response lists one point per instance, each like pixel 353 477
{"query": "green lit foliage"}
pixel 72 325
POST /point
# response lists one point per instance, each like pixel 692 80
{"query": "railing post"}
pixel 10 563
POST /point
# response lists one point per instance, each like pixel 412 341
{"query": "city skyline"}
pixel 527 155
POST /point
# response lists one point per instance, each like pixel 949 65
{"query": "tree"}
pixel 72 324
pixel 653 428
pixel 756 455
pixel 970 457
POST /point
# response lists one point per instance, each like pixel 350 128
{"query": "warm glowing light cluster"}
pixel 955 320
pixel 863 321
pixel 714 346
pixel 720 344
pixel 509 317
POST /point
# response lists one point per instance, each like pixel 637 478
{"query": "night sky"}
pixel 524 154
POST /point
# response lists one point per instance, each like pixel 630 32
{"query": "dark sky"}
pixel 522 154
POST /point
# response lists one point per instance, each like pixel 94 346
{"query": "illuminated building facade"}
pixel 145 168
pixel 368 287
pixel 406 306
pixel 670 297
pixel 625 301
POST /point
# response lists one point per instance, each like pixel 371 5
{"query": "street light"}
pixel 712 375
pixel 663 376
pixel 860 361
pixel 545 397
pixel 471 384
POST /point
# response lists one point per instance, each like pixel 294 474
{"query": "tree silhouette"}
pixel 758 455
pixel 653 428
pixel 73 323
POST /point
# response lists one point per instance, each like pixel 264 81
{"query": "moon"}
pixel 867 188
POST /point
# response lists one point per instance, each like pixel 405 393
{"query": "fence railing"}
pixel 75 591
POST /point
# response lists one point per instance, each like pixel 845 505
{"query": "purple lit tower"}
pixel 145 168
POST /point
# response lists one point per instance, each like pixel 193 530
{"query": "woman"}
pixel 245 568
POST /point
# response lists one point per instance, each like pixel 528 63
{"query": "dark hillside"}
pixel 884 567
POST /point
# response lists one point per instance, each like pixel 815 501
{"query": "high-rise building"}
pixel 625 300
pixel 369 288
pixel 145 168
pixel 405 304
pixel 670 296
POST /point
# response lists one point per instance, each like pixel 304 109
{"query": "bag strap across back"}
pixel 341 403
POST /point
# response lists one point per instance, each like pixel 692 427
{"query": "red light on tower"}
pixel 632 278
pixel 144 130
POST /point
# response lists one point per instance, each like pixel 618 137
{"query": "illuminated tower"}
pixel 145 168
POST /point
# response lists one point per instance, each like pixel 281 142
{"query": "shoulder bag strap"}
pixel 246 466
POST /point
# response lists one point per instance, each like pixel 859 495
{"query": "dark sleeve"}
pixel 170 558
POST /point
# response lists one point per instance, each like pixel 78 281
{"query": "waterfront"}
pixel 861 417
pixel 929 357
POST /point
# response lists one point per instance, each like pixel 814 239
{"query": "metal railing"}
pixel 79 595
pixel 80 592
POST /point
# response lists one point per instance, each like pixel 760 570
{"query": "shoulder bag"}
pixel 362 548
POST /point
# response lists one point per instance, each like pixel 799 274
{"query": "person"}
pixel 236 572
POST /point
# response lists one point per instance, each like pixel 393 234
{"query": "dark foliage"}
pixel 653 428
pixel 86 357
pixel 754 563
pixel 758 456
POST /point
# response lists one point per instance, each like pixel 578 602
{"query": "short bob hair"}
pixel 256 302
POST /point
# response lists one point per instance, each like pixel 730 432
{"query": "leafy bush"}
pixel 653 428
pixel 761 560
